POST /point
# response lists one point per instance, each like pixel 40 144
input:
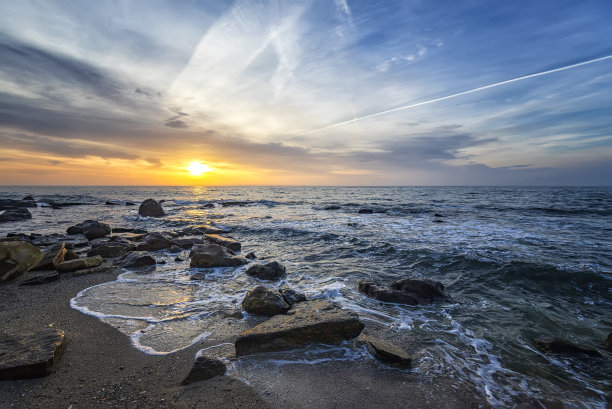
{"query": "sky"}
pixel 321 92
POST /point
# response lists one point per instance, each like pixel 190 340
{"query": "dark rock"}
pixel 13 215
pixel 251 256
pixel 406 291
pixel 261 301
pixel 113 203
pixel 292 297
pixel 387 353
pixel 199 276
pixel 38 277
pixel 208 205
pixel 52 257
pixel 129 230
pixel 609 341
pixel 111 249
pixel 231 244
pixel 309 322
pixel 105 267
pixel 174 249
pixel 213 255
pixel 366 211
pixel 17 257
pixel 561 346
pixel 136 259
pixel 187 243
pixel 78 264
pixel 70 255
pixel 270 271
pixel 203 229
pixel 91 229
pixel 130 204
pixel 234 203
pixel 178 259
pixel 438 221
pixel 30 355
pixel 438 215
pixel 204 368
pixel 155 241
pixel 59 205
pixel 332 207
pixel 150 208
pixel 28 198
pixel 6 204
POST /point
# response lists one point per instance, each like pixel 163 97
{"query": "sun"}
pixel 196 168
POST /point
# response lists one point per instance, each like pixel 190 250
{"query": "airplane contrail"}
pixel 458 94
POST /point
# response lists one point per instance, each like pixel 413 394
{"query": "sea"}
pixel 516 263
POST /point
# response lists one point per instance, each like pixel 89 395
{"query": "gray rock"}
pixel 155 241
pixel 17 257
pixel 407 291
pixel 387 353
pixel 136 259
pixel 213 255
pixel 78 264
pixel 204 368
pixel 292 297
pixel 52 257
pixel 332 207
pixel 70 255
pixel 30 355
pixel 13 215
pixel 150 208
pixel 111 249
pixel 561 346
pixel 231 244
pixel 306 323
pixel 261 301
pixel 251 256
pixel 270 271
pixel 187 243
pixel 105 267
pixel 38 277
pixel 91 229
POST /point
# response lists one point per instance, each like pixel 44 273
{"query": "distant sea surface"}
pixel 516 262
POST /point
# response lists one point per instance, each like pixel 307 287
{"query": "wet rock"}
pixel 609 341
pixel 105 267
pixel 52 257
pixel 79 264
pixel 261 301
pixel 437 221
pixel 387 353
pixel 130 204
pixel 13 215
pixel 129 230
pixel 91 229
pixel 365 211
pixel 150 208
pixel 70 255
pixel 37 277
pixel 174 249
pixel 178 259
pixel 438 215
pixel 204 368
pixel 251 256
pixel 332 207
pixel 291 296
pixel 309 322
pixel 17 257
pixel 136 259
pixel 202 229
pixel 155 241
pixel 60 205
pixel 30 355
pixel 6 204
pixel 234 203
pixel 28 198
pixel 187 243
pixel 561 346
pixel 231 244
pixel 199 276
pixel 111 249
pixel 407 291
pixel 113 203
pixel 208 206
pixel 213 255
pixel 270 271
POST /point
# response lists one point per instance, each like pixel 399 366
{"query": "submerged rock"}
pixel 387 353
pixel 270 271
pixel 136 259
pixel 202 229
pixel 406 291
pixel 79 264
pixel 17 257
pixel 231 244
pixel 13 215
pixel 30 355
pixel 91 229
pixel 365 211
pixel 151 208
pixel 261 301
pixel 309 322
pixel 235 203
pixel 213 255
pixel 561 346
pixel 292 297
pixel 204 368
pixel 332 207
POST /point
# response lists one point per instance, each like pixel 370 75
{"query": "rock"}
pixel 609 341
pixel 28 198
pixel 105 267
pixel 111 249
pixel 270 271
pixel 59 205
pixel 309 322
pixel 155 241
pixel 60 255
pixel 13 215
pixel 79 264
pixel 204 368
pixel 251 256
pixel 213 255
pixel 261 301
pixel 136 259
pixel 113 203
pixel 234 203
pixel 561 346
pixel 91 229
pixel 187 243
pixel 387 353
pixel 332 207
pixel 30 355
pixel 130 204
pixel 207 206
pixel 292 297
pixel 231 244
pixel 6 204
pixel 129 230
pixel 437 221
pixel 366 211
pixel 38 277
pixel 51 257
pixel 150 208
pixel 199 276
pixel 70 255
pixel 174 249
pixel 203 229
pixel 17 257
pixel 438 215
pixel 407 291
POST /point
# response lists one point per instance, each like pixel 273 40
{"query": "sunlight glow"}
pixel 196 168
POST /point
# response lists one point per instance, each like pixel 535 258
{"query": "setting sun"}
pixel 196 168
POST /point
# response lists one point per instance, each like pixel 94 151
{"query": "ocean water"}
pixel 516 262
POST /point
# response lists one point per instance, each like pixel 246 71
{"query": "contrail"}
pixel 471 91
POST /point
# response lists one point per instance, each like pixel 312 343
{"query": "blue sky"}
pixel 275 92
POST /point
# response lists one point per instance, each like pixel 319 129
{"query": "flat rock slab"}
pixel 38 277
pixel 231 244
pixel 30 355
pixel 17 257
pixel 79 264
pixel 309 322
pixel 204 368
pixel 387 353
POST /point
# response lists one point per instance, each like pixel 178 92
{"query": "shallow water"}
pixel 516 263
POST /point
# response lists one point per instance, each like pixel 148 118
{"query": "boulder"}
pixel 13 215
pixel 213 255
pixel 231 244
pixel 261 301
pixel 251 256
pixel 407 291
pixel 111 249
pixel 79 264
pixel 561 346
pixel 136 259
pixel 17 257
pixel 387 353
pixel 270 271
pixel 609 341
pixel 28 198
pixel 150 208
pixel 204 368
pixel 30 355
pixel 51 257
pixel 292 297
pixel 155 241
pixel 187 243
pixel 309 322
pixel 91 229
pixel 70 255
pixel 202 229
pixel 6 204
pixel 332 207
pixel 38 277
pixel 365 211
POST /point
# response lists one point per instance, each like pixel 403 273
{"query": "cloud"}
pixel 154 162
pixel 176 121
